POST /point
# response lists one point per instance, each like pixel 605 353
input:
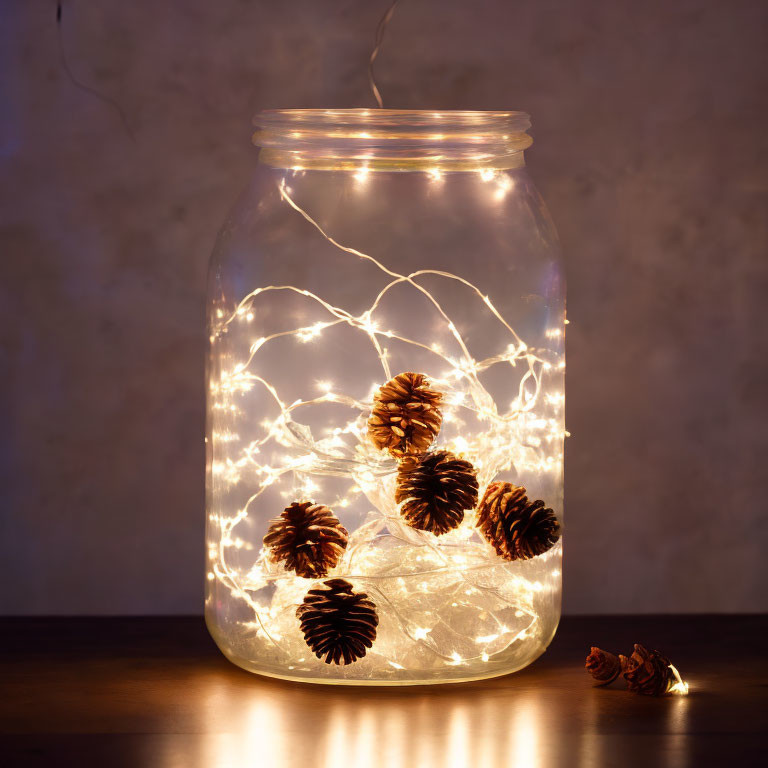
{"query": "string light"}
pixel 509 439
pixel 680 687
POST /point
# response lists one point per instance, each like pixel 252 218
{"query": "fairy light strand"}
pixel 680 687
pixel 380 31
pixel 509 438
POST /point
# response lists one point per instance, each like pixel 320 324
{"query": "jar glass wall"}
pixel 397 530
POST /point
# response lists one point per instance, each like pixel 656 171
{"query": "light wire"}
pixel 380 31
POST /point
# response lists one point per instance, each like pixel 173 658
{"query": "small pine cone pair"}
pixel 338 624
pixel 406 415
pixel 435 488
pixel 517 528
pixel 646 671
pixel 308 537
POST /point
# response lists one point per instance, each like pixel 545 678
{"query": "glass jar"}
pixel 385 402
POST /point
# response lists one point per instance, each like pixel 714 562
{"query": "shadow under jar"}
pixel 385 402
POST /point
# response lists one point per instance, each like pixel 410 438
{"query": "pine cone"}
pixel 436 489
pixel 604 666
pixel 338 623
pixel 406 415
pixel 648 672
pixel 309 537
pixel 517 528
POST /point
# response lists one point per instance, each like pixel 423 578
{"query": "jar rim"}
pixel 391 139
pixel 469 117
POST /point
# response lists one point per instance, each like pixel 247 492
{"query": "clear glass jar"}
pixel 373 243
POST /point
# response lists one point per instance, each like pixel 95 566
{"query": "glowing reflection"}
pixel 394 751
pixel 677 744
pixel 525 748
pixel 252 721
pixel 591 741
pixel 459 752
pixel 337 746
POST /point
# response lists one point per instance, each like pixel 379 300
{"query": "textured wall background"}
pixel 650 147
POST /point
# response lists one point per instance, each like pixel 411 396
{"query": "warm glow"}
pixel 680 687
pixel 525 437
pixel 504 185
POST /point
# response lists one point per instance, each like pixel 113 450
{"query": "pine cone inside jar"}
pixel 604 667
pixel 436 488
pixel 517 528
pixel 337 623
pixel 406 416
pixel 648 672
pixel 308 537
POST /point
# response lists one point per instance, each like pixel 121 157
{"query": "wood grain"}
pixel 156 692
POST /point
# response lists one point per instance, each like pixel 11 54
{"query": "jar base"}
pixel 497 669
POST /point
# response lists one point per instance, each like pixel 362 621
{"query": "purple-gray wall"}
pixel 651 149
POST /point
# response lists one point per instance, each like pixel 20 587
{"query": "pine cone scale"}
pixel 327 532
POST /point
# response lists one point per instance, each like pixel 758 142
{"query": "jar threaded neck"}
pixel 387 139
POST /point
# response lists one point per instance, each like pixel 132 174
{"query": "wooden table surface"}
pixel 156 692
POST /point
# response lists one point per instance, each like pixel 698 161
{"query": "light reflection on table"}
pixel 133 693
pixel 507 722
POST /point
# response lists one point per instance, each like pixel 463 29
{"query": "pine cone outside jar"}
pixel 604 667
pixel 338 624
pixel 435 490
pixel 406 416
pixel 648 672
pixel 517 528
pixel 308 537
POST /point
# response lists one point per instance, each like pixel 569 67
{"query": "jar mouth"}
pixel 391 139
